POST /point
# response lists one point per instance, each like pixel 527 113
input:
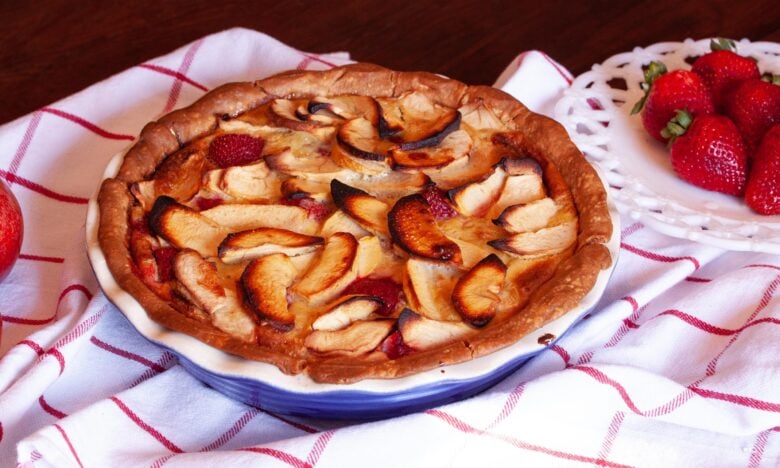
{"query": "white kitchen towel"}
pixel 678 364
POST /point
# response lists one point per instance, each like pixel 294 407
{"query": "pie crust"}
pixel 551 285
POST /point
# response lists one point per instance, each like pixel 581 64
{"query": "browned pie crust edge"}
pixel 536 134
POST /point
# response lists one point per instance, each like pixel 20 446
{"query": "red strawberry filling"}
pixel 384 288
pixel 394 346
pixel 204 203
pixel 164 258
pixel 315 209
pixel 235 149
pixel 438 202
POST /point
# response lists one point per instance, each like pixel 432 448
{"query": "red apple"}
pixel 11 229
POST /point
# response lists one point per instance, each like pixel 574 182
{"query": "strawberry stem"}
pixel 654 70
pixel 722 43
pixel 770 78
pixel 677 126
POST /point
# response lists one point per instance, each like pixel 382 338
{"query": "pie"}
pixel 355 223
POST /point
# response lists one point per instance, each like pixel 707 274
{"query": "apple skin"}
pixel 11 229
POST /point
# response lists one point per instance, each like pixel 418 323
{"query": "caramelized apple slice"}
pixel 455 146
pixel 416 121
pixel 547 241
pixel 358 147
pixel 265 282
pixel 201 281
pixel 315 189
pixel 184 227
pixel 359 338
pixel 369 212
pixel 413 227
pixel 346 310
pixel 248 245
pixel 476 198
pixel 178 177
pixel 347 107
pixel 428 288
pixel 476 294
pixel 529 217
pixel 332 271
pixel 284 113
pixel 422 333
pixel 242 217
pixel 524 183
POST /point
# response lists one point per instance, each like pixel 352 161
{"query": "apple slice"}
pixel 528 217
pixel 333 267
pixel 415 121
pixel 254 182
pixel 422 333
pixel 242 217
pixel 248 245
pixel 313 166
pixel 185 228
pixel 455 146
pixel 394 184
pixel 476 294
pixel 284 113
pixel 358 147
pixel 413 227
pixel 201 282
pixel 358 338
pixel 369 212
pixel 178 177
pixel 265 281
pixel 346 310
pixel 524 183
pixel 428 288
pixel 547 241
pixel 480 117
pixel 318 190
pixel 476 198
pixel 339 221
pixel 348 107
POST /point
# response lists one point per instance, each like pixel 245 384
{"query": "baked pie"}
pixel 355 223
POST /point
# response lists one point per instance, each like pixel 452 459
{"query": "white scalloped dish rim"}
pixel 218 362
pixel 595 111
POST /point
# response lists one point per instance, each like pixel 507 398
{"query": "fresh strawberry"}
pixel 164 258
pixel 384 288
pixel 763 188
pixel 709 153
pixel 666 93
pixel 723 68
pixel 314 209
pixel 754 106
pixel 235 149
pixel 394 346
pixel 438 202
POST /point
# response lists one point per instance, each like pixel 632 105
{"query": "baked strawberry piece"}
pixel 666 93
pixel 384 288
pixel 438 202
pixel 763 188
pixel 723 68
pixel 754 106
pixel 235 149
pixel 709 153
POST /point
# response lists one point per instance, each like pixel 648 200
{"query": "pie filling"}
pixel 350 228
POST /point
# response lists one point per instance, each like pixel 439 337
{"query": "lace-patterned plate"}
pixel 596 113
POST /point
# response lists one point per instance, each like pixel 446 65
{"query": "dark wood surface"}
pixel 50 49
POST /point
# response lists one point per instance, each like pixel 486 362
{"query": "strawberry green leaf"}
pixel 722 43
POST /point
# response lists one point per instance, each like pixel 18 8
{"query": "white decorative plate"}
pixel 265 386
pixel 596 113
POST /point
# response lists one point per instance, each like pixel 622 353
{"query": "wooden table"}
pixel 51 49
